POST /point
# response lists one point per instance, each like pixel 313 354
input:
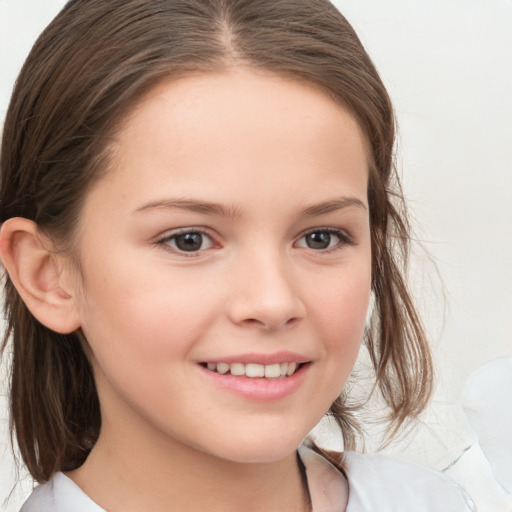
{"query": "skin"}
pixel 282 160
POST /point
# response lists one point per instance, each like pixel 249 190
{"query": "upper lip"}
pixel 256 358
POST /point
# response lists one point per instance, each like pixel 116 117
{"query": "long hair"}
pixel 93 63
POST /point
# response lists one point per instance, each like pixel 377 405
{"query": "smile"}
pixel 254 370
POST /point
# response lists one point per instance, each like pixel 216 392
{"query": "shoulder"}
pixel 379 482
pixel 383 482
pixel 59 494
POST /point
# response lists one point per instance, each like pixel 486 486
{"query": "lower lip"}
pixel 261 389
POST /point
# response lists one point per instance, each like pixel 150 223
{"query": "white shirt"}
pixel 377 483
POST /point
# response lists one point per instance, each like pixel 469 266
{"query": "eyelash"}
pixel 343 240
pixel 166 240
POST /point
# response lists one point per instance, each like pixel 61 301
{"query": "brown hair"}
pixel 90 65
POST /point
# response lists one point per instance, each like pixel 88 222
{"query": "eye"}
pixel 324 239
pixel 188 241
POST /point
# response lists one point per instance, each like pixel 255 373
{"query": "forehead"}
pixel 240 126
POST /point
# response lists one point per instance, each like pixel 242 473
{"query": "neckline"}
pixel 325 486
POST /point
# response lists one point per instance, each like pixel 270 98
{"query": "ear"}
pixel 40 276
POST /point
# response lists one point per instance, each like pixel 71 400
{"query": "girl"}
pixel 198 204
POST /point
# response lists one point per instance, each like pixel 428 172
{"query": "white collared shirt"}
pixel 376 483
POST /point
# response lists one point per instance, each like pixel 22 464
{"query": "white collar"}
pixel 328 487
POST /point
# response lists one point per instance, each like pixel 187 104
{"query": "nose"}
pixel 265 293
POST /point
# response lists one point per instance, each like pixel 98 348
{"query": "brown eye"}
pixel 318 240
pixel 324 240
pixel 189 241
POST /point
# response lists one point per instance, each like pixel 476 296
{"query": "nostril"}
pixel 253 321
pixel 269 325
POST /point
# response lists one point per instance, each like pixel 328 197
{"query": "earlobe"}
pixel 37 275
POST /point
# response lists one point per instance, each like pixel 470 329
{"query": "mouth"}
pixel 258 377
pixel 255 371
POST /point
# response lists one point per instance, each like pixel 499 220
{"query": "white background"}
pixel 448 67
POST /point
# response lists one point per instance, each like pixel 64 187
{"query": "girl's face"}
pixel 230 240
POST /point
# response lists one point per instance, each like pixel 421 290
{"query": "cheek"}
pixel 145 318
pixel 340 316
pixel 141 337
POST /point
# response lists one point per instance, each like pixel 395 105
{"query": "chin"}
pixel 260 448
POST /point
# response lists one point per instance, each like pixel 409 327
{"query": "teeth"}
pixel 269 371
pixel 222 368
pixel 273 370
pixel 291 368
pixel 237 369
pixel 255 370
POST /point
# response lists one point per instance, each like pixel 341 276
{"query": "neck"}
pixel 133 473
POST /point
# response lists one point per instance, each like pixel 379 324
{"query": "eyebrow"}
pixel 209 208
pixel 333 205
pixel 191 205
